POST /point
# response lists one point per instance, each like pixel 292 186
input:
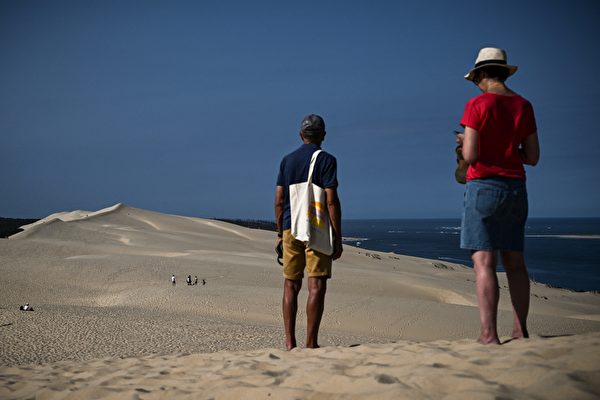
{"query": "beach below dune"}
pixel 100 286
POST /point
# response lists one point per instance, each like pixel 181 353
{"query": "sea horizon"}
pixel 559 251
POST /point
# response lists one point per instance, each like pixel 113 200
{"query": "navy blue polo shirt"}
pixel 294 169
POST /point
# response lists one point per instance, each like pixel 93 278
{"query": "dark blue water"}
pixel 562 252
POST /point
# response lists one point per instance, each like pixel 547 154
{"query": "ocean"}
pixel 561 252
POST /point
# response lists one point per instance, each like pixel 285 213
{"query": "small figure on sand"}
pixel 297 257
pixel 195 279
pixel 173 282
pixel 189 280
pixel 203 282
pixel 26 307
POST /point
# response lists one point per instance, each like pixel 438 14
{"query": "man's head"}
pixel 312 129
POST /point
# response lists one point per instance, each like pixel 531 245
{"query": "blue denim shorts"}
pixel 494 214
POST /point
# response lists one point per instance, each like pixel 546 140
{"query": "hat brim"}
pixel 511 70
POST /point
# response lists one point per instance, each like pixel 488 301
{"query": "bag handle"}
pixel 313 161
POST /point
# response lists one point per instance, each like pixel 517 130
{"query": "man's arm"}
pixel 279 210
pixel 335 217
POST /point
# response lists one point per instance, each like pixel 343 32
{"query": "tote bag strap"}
pixel 313 161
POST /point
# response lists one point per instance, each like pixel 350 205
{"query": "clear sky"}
pixel 187 107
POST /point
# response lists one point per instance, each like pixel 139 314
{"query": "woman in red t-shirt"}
pixel 500 136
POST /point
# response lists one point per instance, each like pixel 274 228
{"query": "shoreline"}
pixel 561 254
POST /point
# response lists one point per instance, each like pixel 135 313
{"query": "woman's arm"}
pixel 470 145
pixel 530 150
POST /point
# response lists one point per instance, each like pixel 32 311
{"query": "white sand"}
pixel 100 284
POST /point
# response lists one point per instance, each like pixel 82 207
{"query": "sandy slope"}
pixel 552 368
pixel 100 283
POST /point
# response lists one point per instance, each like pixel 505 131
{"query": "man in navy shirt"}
pixel 296 256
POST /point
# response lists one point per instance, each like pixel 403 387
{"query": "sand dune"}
pixel 539 368
pixel 100 283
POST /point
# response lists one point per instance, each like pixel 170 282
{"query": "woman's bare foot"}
pixel 488 341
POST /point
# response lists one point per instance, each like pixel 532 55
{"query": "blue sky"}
pixel 187 107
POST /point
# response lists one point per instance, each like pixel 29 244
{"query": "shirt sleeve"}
pixel 328 173
pixel 530 124
pixel 280 176
pixel 471 116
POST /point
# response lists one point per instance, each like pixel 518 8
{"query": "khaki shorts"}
pixel 296 256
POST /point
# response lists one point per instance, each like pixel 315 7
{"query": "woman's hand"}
pixel 460 137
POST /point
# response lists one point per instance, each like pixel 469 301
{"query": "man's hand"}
pixel 335 218
pixel 279 250
pixel 337 249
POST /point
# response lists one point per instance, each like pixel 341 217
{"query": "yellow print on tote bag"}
pixel 310 217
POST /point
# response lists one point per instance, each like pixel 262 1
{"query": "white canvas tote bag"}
pixel 310 217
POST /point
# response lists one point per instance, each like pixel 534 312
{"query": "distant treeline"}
pixel 252 223
pixel 10 226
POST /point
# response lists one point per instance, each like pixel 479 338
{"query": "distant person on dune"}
pixel 195 279
pixel 297 256
pixel 173 282
pixel 500 136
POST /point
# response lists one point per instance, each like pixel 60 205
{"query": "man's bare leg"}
pixel 519 286
pixel 314 309
pixel 291 288
pixel 484 264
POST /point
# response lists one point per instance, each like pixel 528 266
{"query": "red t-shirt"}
pixel 503 122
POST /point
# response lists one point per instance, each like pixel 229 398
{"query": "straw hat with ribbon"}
pixel 489 56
